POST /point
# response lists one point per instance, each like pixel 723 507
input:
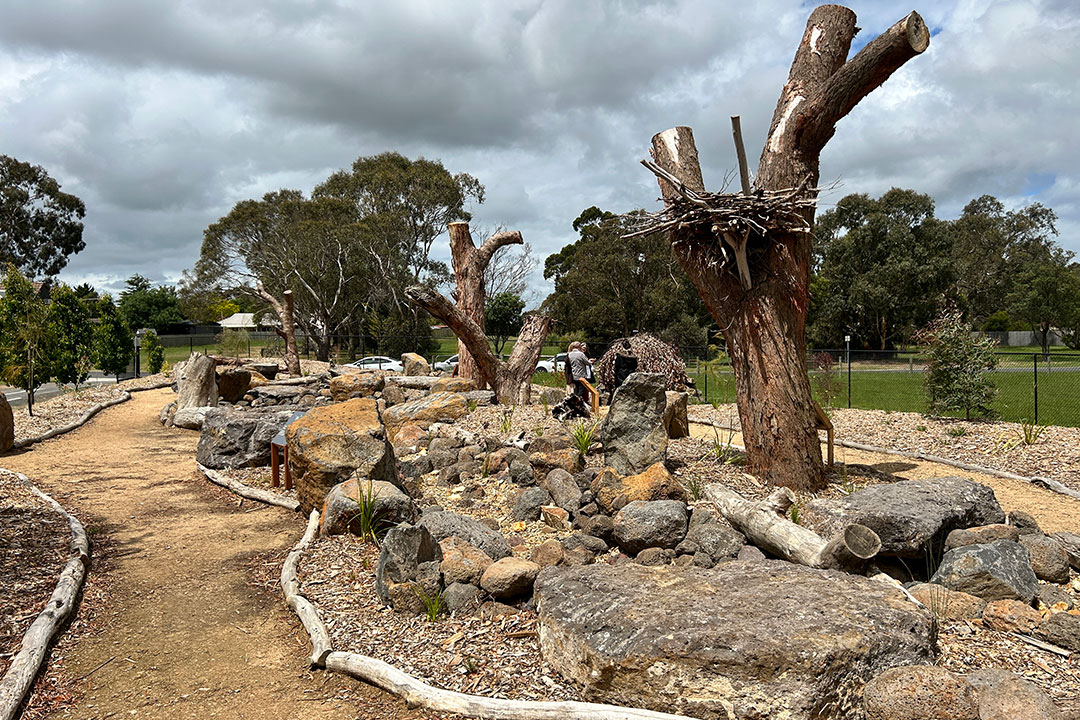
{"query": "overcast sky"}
pixel 161 116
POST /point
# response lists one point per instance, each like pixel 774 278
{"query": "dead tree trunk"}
pixel 469 265
pixel 287 331
pixel 763 317
pixel 511 380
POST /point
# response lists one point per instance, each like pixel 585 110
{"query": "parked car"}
pixel 553 364
pixel 376 362
pixel 448 364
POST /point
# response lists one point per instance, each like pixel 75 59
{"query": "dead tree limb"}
pixel 765 524
pixel 758 291
pixel 469 264
pixel 511 380
pixel 287 331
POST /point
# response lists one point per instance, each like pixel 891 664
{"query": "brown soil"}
pixel 184 634
pixel 1055 512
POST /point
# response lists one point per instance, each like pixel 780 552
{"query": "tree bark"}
pixel 763 316
pixel 287 331
pixel 469 265
pixel 511 380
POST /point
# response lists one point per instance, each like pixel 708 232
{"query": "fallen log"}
pixel 290 586
pixel 251 493
pixel 765 524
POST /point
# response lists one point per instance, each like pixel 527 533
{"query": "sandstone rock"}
pixel 164 417
pixel 266 370
pixel 502 458
pixel 196 382
pixel 1061 629
pixel 419 382
pixel 633 431
pixel 555 517
pixel 232 383
pixel 406 554
pixel 564 489
pixel 764 639
pixel 919 692
pixel 509 577
pixel 528 503
pixel 329 444
pixel 948 604
pixel 409 439
pixel 611 492
pixel 1070 543
pixel 462 563
pixel 356 384
pixel 279 394
pixel 676 422
pixel 413 364
pixel 461 598
pixel 190 418
pixel 7 425
pixel 551 442
pixel 909 516
pixel 644 524
pixel 454 385
pixel 980 535
pixel 1004 696
pixel 437 407
pixel 1010 616
pixel 547 553
pixel 1049 561
pixel 393 395
pixel 443 524
pixel 1000 570
pixel 389 504
pixel 239 437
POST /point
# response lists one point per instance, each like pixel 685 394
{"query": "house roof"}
pixel 239 320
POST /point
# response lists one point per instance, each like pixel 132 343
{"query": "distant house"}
pixel 246 321
pixel 37 287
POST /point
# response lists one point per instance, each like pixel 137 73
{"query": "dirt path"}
pixel 188 635
pixel 1054 511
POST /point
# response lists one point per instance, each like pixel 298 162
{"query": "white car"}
pixel 376 362
pixel 553 364
pixel 448 364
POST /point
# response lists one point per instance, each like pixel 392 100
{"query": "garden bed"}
pixel 35 540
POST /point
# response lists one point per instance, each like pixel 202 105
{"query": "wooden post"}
pixel 740 151
pixel 275 466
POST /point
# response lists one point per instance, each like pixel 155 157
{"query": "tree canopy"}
pixel 503 318
pixel 608 286
pixel 40 225
pixel 24 335
pixel 144 306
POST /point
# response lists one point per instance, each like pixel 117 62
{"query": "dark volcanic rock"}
pixel 406 554
pixel 912 516
pixel 390 506
pixel 633 431
pixel 1048 559
pixel 443 524
pixel 239 437
pixel 919 692
pixel 650 523
pixel 763 639
pixel 999 570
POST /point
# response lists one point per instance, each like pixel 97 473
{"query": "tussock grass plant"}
pixel 722 449
pixel 793 512
pixel 433 603
pixel 370 523
pixel 695 488
pixel 506 420
pixel 958 431
pixel 1029 433
pixel 582 435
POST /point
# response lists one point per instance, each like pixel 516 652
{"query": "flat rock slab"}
pixel 758 639
pixel 911 516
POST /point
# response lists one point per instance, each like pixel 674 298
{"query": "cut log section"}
pixel 764 524
pixel 290 586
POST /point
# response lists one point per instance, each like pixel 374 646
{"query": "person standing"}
pixel 580 367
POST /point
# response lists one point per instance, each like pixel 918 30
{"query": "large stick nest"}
pixel 653 356
pixel 731 216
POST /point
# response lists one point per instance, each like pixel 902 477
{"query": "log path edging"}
pixel 246 491
pixel 17 682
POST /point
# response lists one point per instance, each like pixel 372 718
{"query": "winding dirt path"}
pixel 186 634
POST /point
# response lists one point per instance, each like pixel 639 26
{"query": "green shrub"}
pixel 958 367
pixel 155 353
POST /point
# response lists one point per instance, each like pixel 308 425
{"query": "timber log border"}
pixel 19 680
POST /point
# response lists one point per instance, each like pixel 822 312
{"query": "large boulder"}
pixel 1004 696
pixel 7 425
pixel 919 692
pixel 443 524
pixel 196 383
pixel 453 384
pixel 650 524
pixel 509 577
pixel 191 418
pixel 239 437
pixel 329 444
pixel 676 420
pixel 413 365
pixel 611 492
pixel 462 563
pixel 763 639
pixel 1000 570
pixel 1070 543
pixel 355 384
pixel 1048 559
pixel 633 431
pixel 232 383
pixel 389 506
pixel 437 407
pixel 912 517
pixel 410 556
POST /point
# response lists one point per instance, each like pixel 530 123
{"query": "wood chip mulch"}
pixel 493 657
pixel 34 539
pixel 989 443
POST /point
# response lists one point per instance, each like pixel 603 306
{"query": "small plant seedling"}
pixel 583 436
pixel 544 400
pixel 793 512
pixel 433 604
pixel 695 487
pixel 921 428
pixel 485 467
pixel 471 404
pixel 539 430
pixel 957 431
pixel 506 422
